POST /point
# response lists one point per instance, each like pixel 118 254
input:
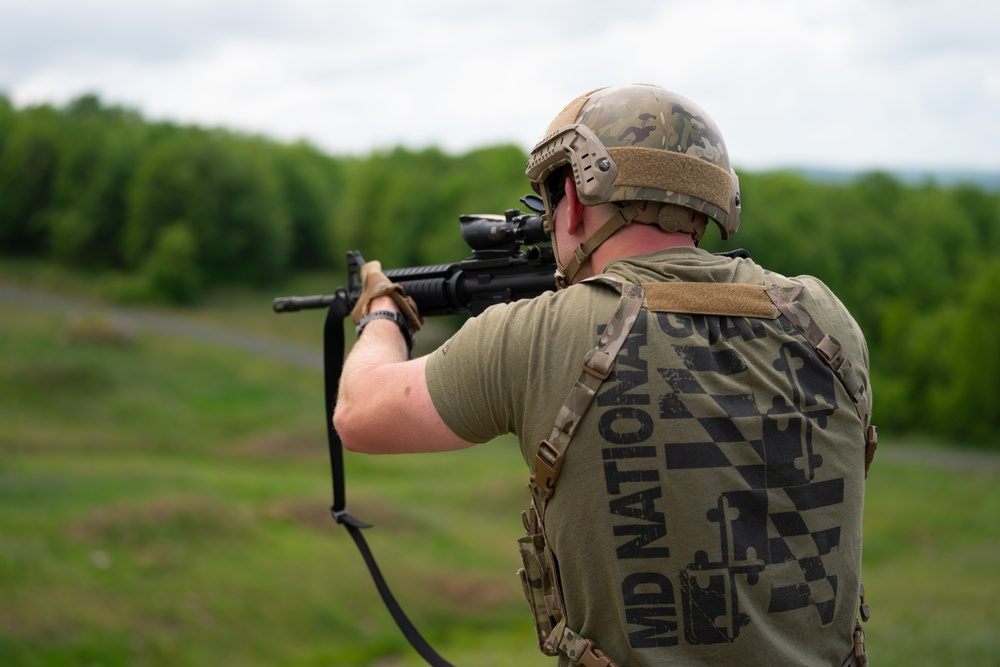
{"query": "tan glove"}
pixel 374 284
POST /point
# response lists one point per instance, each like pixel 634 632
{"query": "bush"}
pixel 172 270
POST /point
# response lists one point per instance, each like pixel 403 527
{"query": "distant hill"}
pixel 987 180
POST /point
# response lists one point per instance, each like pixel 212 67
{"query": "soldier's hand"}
pixel 374 284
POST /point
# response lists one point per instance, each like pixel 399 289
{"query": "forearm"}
pixel 382 342
pixel 361 383
pixel 382 405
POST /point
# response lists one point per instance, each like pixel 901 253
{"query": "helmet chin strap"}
pixel 565 274
pixel 668 217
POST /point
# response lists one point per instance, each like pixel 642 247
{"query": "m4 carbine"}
pixel 506 265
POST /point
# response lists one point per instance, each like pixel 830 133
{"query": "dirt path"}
pixel 950 459
pixel 146 320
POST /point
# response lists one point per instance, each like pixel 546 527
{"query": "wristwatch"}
pixel 401 322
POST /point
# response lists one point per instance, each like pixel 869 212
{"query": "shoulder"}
pixel 824 305
pixel 551 309
pixel 485 380
pixel 508 332
pixel 833 317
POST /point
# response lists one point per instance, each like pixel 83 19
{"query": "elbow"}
pixel 345 423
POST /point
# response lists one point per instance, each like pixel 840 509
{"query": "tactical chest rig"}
pixel 539 574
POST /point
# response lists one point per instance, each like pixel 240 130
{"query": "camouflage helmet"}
pixel 641 143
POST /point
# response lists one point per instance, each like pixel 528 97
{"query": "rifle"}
pixel 506 265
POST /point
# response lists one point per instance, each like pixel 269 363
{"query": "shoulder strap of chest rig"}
pixel 539 574
pixel 829 349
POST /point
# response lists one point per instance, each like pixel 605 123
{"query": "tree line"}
pixel 173 210
pixel 176 209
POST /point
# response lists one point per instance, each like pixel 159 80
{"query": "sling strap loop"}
pixel 333 361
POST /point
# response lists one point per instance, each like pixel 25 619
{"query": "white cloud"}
pixel 854 83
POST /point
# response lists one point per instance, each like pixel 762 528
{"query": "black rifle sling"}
pixel 333 361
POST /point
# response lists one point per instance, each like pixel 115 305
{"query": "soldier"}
pixel 709 509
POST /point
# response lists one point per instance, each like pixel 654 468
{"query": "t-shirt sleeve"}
pixel 474 378
pixel 508 371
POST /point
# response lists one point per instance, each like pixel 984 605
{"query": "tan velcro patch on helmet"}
pixel 672 172
pixel 570 114
pixel 729 299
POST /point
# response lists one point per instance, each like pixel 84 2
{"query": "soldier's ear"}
pixel 574 208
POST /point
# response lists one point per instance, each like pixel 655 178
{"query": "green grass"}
pixel 164 502
pixel 932 544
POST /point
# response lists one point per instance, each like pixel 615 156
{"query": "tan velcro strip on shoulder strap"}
pixel 673 172
pixel 733 300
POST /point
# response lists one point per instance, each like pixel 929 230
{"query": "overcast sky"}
pixel 822 83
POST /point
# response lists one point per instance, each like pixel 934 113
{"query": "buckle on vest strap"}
pixel 597 373
pixel 871 444
pixel 548 465
pixel 829 348
pixel 594 657
pixel 583 651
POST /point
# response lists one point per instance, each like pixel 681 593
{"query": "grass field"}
pixel 163 503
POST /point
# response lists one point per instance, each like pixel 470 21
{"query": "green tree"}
pixel 351 215
pixel 311 183
pixel 98 152
pixel 402 206
pixel 226 190
pixel 487 180
pixel 963 400
pixel 8 118
pixel 27 169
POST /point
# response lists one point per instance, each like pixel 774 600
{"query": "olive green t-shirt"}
pixel 709 508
